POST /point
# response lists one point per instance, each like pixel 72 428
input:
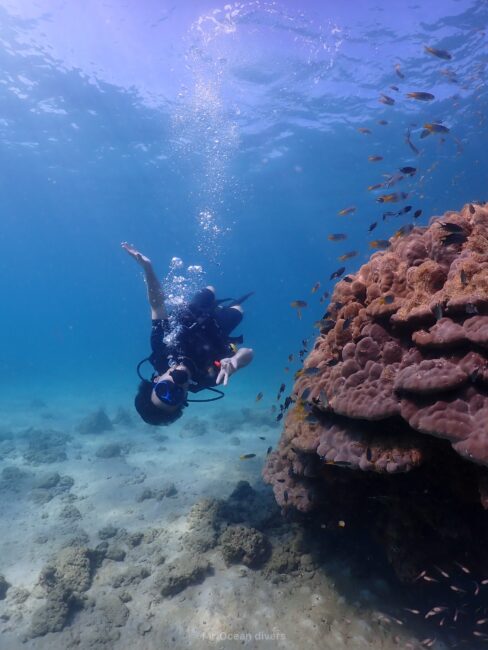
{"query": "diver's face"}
pixel 170 389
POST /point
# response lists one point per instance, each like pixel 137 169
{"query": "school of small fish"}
pixel 402 174
pixel 467 603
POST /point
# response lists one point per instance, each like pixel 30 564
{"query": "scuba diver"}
pixel 191 352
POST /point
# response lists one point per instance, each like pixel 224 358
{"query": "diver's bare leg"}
pixel 155 293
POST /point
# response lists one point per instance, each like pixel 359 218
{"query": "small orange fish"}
pixel 338 236
pixel 345 211
pixel 385 99
pixel 375 187
pixel 440 54
pixel 375 158
pixel 324 324
pixel 392 198
pixel 347 256
pixel 379 243
pixel 421 96
pixel 298 304
pixel 404 230
pixel 433 127
pixel 259 397
pixel 315 287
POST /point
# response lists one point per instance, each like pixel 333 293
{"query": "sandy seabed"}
pixel 115 534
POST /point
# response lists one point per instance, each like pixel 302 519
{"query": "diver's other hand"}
pixel 227 368
pixel 141 259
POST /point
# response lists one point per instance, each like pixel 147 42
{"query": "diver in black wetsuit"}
pixel 196 353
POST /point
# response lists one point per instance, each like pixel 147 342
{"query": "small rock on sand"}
pixel 47 481
pixel 110 450
pixel 131 576
pixel 115 553
pixel 107 532
pixel 181 573
pixel 122 417
pixel 168 490
pixel 45 446
pixel 53 615
pixel 70 512
pixel 114 610
pixel 96 422
pixel 4 586
pixel 12 473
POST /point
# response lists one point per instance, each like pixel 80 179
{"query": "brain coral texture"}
pixel 402 373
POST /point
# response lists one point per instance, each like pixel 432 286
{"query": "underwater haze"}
pixel 223 141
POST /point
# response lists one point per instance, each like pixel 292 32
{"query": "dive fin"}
pixel 239 301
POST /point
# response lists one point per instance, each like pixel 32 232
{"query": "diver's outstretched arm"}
pixel 155 293
pixel 230 365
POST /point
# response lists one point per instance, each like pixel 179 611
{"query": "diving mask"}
pixel 169 393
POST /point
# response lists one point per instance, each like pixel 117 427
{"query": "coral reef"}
pixel 396 388
pixel 65 579
pixel 244 545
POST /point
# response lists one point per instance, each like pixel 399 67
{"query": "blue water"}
pixel 126 121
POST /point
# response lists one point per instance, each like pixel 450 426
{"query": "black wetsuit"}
pixel 201 337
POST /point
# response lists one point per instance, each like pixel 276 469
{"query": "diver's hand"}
pixel 227 368
pixel 141 259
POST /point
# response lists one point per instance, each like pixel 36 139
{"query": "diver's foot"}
pixel 141 259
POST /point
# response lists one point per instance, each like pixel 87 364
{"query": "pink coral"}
pixel 404 370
